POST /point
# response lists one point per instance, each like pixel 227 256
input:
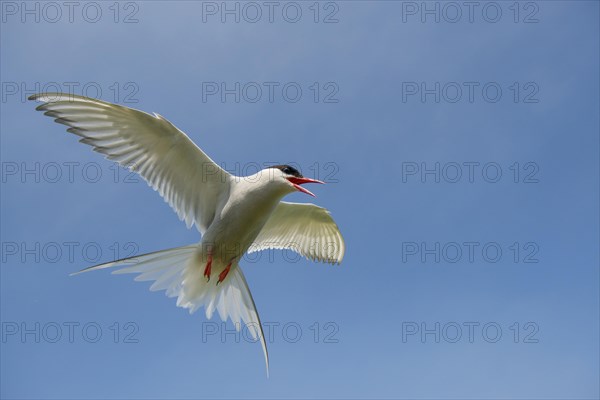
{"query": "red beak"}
pixel 299 181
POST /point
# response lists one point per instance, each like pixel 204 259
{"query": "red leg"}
pixel 223 274
pixel 207 268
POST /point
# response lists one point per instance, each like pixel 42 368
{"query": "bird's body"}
pixel 234 215
pixel 238 220
pixel 241 216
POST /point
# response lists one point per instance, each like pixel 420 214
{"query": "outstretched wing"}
pixel 304 228
pixel 151 146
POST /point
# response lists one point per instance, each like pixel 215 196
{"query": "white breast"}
pixel 241 219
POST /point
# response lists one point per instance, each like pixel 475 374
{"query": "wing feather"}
pixel 151 146
pixel 306 229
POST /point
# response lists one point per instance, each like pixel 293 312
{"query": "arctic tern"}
pixel 234 215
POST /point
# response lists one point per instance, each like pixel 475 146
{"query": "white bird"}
pixel 234 214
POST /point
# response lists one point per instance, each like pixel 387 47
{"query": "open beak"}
pixel 300 181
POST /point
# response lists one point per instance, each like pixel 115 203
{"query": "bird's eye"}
pixel 287 170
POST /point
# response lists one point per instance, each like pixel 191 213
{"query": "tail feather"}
pixel 142 262
pixel 179 272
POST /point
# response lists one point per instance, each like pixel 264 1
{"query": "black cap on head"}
pixel 286 169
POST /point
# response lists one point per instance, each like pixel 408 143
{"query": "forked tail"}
pixel 178 273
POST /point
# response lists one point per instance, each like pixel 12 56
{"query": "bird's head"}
pixel 292 178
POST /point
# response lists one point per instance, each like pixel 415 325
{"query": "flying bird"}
pixel 234 215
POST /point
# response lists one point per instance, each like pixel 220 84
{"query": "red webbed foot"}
pixel 208 267
pixel 223 274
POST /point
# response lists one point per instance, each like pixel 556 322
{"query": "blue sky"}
pixel 385 323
